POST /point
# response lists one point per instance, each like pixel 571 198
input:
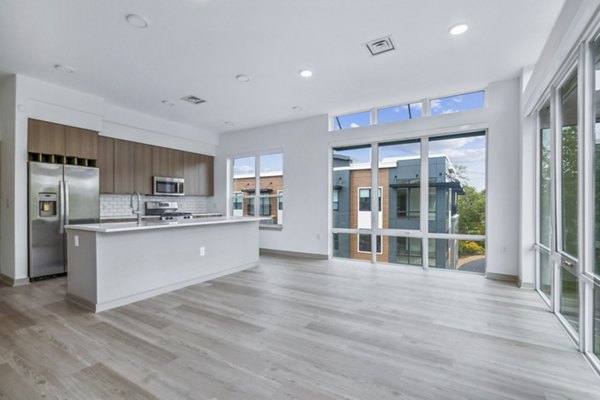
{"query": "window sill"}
pixel 270 227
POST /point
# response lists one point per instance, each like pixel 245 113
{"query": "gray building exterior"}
pixel 403 193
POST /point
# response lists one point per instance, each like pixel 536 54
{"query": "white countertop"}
pixel 153 224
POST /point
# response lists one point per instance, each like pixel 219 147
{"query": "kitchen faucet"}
pixel 136 210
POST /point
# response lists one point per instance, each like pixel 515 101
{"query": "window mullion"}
pixel 374 201
pixel 257 186
pixel 425 201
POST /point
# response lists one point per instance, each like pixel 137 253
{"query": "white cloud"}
pixel 416 106
pixel 435 104
pixel 354 125
pixel 449 111
pixel 458 99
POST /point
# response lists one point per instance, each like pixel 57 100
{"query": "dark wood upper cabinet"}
pixel 124 166
pixel 45 137
pixel 105 164
pixel 175 163
pixel 207 173
pixel 191 168
pixel 81 143
pixel 160 161
pixel 60 140
pixel 198 174
pixel 142 178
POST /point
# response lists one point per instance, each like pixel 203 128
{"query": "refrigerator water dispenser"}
pixel 47 205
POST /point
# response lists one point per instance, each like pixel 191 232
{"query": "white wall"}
pixel 26 98
pixel 8 93
pixel 306 143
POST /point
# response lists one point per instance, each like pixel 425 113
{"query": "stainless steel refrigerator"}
pixel 58 195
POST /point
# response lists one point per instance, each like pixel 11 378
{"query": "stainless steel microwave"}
pixel 164 186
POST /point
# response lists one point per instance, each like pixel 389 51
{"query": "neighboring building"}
pixel 270 198
pixel 399 208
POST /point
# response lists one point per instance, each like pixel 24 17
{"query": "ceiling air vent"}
pixel 193 99
pixel 379 46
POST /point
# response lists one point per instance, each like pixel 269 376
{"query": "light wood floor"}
pixel 295 329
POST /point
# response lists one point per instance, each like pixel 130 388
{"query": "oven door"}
pixel 164 186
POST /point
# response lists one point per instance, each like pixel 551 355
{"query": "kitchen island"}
pixel 113 264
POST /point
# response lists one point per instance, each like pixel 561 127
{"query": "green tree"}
pixel 471 210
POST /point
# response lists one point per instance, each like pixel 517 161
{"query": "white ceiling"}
pixel 199 46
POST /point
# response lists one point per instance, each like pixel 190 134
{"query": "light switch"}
pixel 76 240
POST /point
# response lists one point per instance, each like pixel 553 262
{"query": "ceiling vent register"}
pixel 380 46
pixel 193 99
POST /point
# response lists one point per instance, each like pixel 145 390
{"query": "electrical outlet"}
pixel 76 240
pixel 202 252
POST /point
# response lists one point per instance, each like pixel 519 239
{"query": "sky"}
pixel 269 163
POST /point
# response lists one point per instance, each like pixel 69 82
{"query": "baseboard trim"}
pixel 13 282
pixel 501 277
pixel 313 256
pixel 525 285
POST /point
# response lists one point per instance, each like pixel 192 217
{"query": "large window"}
pixel 568 197
pixel 407 222
pixel 270 184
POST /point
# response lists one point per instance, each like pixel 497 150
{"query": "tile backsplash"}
pixel 118 205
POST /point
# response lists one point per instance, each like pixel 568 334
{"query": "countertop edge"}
pixel 131 226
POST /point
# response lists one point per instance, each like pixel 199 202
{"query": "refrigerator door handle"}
pixel 61 208
pixel 66 203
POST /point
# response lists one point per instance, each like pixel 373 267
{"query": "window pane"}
pixel 462 255
pixel 244 185
pixel 457 181
pixel 399 113
pixel 545 274
pixel 569 298
pixel 364 244
pixel 461 102
pixel 352 120
pixel 271 188
pixel 403 250
pixel 544 180
pixel 364 199
pixel 351 170
pixel 569 158
pixel 342 245
pixel 400 174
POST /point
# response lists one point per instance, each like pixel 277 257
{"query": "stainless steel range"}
pixel 167 210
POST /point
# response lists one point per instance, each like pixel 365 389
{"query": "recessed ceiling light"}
pixel 242 78
pixel 458 29
pixel 137 21
pixel 297 108
pixel 168 102
pixel 64 68
pixel 305 73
